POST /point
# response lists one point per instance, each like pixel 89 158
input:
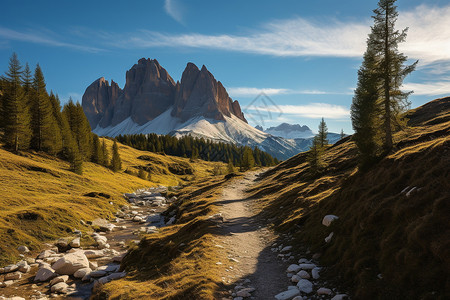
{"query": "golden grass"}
pixel 380 230
pixel 41 199
pixel 178 262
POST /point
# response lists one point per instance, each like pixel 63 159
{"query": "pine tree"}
pixel 116 162
pixel 80 128
pixel 230 167
pixel 105 154
pixel 248 161
pixel 15 112
pixel 383 41
pixel 323 132
pixel 194 154
pixel 42 117
pixel 56 139
pixel 315 156
pixel 97 154
pixel 342 135
pixel 366 110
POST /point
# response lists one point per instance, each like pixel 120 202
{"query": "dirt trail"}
pixel 247 242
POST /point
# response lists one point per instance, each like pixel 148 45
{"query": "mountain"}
pixel 199 105
pixel 289 131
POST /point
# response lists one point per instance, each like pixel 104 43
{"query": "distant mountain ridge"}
pixel 289 131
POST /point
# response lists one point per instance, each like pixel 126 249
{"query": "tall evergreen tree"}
pixel 80 128
pixel 230 167
pixel 42 117
pixel 27 81
pixel 248 161
pixel 323 132
pixel 116 162
pixel 15 112
pixel 97 154
pixel 366 110
pixel 383 41
pixel 56 139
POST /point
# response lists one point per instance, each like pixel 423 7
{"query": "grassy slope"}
pixel 41 200
pixel 178 262
pixel 380 230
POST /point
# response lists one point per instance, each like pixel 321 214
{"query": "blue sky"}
pixel 303 54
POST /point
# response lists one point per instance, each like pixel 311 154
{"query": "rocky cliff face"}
pixel 149 91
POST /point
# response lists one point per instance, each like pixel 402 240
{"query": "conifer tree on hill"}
pixel 14 111
pixel 323 133
pixel 116 162
pixel 105 154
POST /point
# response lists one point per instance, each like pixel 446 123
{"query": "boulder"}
pixel 303 274
pixel 60 287
pixel 295 278
pixel 315 273
pixel 307 266
pixel 45 273
pixel 23 249
pixel 324 291
pixel 293 268
pixel 80 273
pixel 6 283
pixel 286 249
pixel 10 268
pixel 70 263
pixel 13 276
pixel 305 286
pixel 45 254
pixel 98 273
pixel 62 278
pixel 328 219
pixel 75 243
pixel 286 295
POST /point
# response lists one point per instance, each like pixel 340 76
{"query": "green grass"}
pixel 380 230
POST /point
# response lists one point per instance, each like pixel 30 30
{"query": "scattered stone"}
pixel 13 276
pixel 315 273
pixel 80 273
pixel 7 283
pixel 60 287
pixel 286 249
pixel 293 268
pixel 307 266
pixel 328 219
pixel 45 273
pixel 46 253
pixel 62 278
pixel 324 291
pixel 303 274
pixel 286 295
pixel 10 268
pixel 75 243
pixel 70 263
pixel 97 273
pixel 23 249
pixel 303 261
pixel 329 237
pixel 295 278
pixel 305 286
pixel 297 298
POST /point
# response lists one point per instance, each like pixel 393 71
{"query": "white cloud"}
pixel 253 92
pixel 174 10
pixel 312 111
pixel 429 88
pixel 43 38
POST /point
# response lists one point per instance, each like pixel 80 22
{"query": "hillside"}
pixel 392 238
pixel 42 200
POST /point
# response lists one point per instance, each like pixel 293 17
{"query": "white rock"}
pixel 340 297
pixel 293 268
pixel 286 249
pixel 286 295
pixel 97 274
pixel 93 265
pixel 324 291
pixel 80 273
pixel 46 253
pixel 10 268
pixel 303 261
pixel 60 287
pixel 75 243
pixel 305 286
pixel 25 269
pixel 13 276
pixel 315 273
pixel 298 298
pixel 328 219
pixel 8 283
pixel 295 278
pixel 307 266
pixel 45 273
pixel 23 249
pixel 303 274
pixel 62 278
pixel 70 263
pixel 329 237
pixel 94 253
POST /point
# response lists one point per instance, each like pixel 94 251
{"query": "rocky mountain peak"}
pixel 150 90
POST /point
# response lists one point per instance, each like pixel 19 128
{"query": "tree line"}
pixel 33 119
pixel 190 147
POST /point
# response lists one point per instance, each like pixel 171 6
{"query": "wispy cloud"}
pixel 429 88
pixel 312 111
pixel 174 9
pixel 42 37
pixel 253 92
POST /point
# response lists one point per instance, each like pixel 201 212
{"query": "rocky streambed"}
pixel 66 269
